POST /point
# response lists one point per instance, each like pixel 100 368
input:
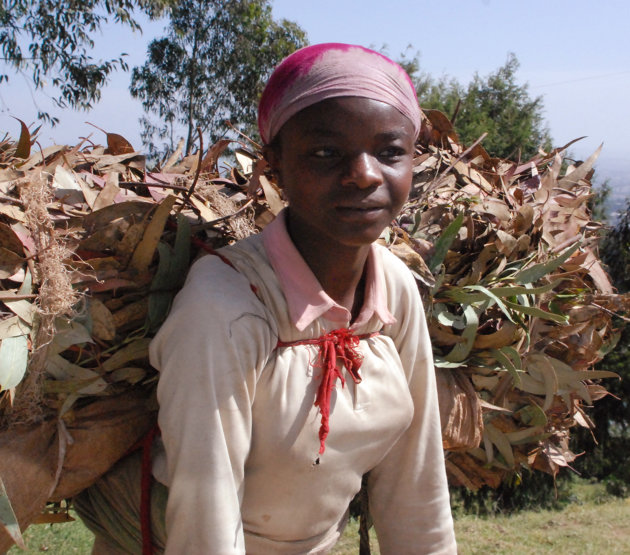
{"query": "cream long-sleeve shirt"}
pixel 240 429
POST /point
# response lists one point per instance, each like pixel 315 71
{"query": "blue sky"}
pixel 575 53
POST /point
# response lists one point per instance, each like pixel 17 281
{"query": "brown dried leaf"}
pixel 143 255
pixel 209 161
pixel 130 211
pixel 10 263
pixel 10 240
pixel 276 204
pixel 132 314
pixel 108 193
pixel 413 260
pixel 117 144
pixel 460 411
pixel 103 326
pixel 23 147
pixel 507 334
pixel 581 172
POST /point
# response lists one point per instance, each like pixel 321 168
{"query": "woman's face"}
pixel 345 167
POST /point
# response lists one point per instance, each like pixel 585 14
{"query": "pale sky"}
pixel 575 53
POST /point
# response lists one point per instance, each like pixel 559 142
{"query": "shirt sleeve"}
pixel 209 353
pixel 407 491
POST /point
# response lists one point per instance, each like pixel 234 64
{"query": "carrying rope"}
pixel 337 345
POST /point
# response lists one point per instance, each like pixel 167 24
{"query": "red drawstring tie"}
pixel 337 345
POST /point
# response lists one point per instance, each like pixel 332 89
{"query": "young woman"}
pixel 304 364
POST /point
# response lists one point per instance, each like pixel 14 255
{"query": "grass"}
pixel 57 539
pixel 594 523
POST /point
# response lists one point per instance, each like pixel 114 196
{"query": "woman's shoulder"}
pixel 394 269
pixel 224 266
pixel 217 306
pixel 214 281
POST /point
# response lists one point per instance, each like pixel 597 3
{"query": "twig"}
pixel 229 124
pixel 129 184
pixel 612 313
pixel 463 154
pixel 190 191
pixel 436 180
pixel 16 201
pixel 456 112
pixel 211 224
pixel 6 296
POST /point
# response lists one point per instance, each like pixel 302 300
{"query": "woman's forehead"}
pixel 344 116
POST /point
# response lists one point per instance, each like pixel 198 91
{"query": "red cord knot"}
pixel 337 346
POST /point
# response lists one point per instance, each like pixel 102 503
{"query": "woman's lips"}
pixel 359 211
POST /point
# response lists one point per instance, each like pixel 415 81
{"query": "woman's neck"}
pixel 342 276
pixel 340 269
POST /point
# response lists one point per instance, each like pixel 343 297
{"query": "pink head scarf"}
pixel 330 70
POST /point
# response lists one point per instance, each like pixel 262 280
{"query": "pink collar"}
pixel 305 297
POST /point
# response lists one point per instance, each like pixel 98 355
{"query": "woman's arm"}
pixel 408 492
pixel 209 352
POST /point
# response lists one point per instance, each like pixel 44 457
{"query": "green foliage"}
pixel 533 490
pixel 608 445
pixel 618 487
pixel 210 67
pixel 52 39
pixel 599 202
pixel 615 252
pixel 495 104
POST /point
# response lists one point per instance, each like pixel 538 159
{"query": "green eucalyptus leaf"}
pixel 509 358
pixel 8 518
pixel 532 415
pixel 68 333
pixel 444 243
pixel 491 295
pixel 138 349
pixel 160 297
pixel 170 275
pixel 13 361
pixel 462 350
pixel 514 290
pixel 440 362
pixel 537 312
pixel 537 271
pixel 12 327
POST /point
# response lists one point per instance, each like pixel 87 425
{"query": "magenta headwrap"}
pixel 330 70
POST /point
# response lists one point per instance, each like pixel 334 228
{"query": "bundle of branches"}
pixel 94 247
pixel 519 306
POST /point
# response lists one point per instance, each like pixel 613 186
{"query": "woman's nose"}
pixel 363 171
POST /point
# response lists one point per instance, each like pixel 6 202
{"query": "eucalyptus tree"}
pixel 51 40
pixel 210 67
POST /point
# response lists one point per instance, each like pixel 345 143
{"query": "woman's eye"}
pixel 324 153
pixel 392 152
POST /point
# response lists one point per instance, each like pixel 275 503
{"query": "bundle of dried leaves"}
pixel 519 306
pixel 95 246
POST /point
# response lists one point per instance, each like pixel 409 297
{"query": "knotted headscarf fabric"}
pixel 330 70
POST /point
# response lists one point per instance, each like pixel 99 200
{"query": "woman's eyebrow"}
pixel 324 132
pixel 327 132
pixel 391 135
